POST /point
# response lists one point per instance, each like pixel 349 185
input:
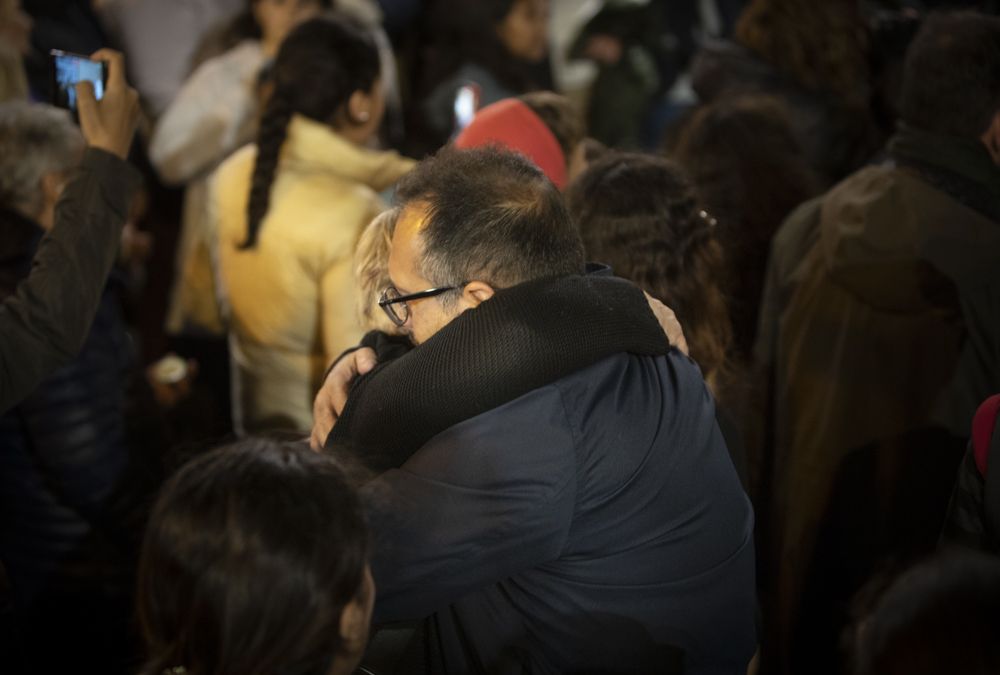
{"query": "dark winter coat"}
pixel 594 523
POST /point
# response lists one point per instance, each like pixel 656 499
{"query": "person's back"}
pixel 750 173
pixel 291 298
pixel 569 505
pixel 937 618
pixel 631 552
pixel 63 449
pixel 289 213
pixel 880 349
pixel 498 47
pixel 813 57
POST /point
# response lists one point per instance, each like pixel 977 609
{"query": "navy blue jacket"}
pixel 592 525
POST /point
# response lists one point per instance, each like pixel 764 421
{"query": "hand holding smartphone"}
pixel 67 70
pixel 95 90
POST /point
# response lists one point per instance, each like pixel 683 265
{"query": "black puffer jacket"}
pixel 63 450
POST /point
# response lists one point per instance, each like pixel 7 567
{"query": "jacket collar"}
pixel 962 167
pixel 315 145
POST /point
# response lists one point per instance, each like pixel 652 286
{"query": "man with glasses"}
pixel 554 494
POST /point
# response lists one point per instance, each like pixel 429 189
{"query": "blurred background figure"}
pixel 750 172
pixel 880 301
pixel 214 114
pixel 162 40
pixel 69 25
pixel 940 617
pixel 974 512
pixel 497 47
pixel 812 56
pixel 542 126
pixel 15 45
pixel 63 449
pixel 643 51
pixel 290 209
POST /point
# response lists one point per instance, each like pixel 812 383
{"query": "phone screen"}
pixel 67 70
pixel 466 104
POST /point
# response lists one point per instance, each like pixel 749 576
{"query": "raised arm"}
pixel 43 324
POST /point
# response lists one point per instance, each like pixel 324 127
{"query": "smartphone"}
pixel 466 105
pixel 68 69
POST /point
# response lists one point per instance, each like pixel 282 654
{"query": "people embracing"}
pixel 533 401
pixel 554 492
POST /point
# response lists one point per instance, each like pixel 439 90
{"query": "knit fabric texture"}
pixel 523 338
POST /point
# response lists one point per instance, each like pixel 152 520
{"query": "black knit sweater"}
pixel 523 338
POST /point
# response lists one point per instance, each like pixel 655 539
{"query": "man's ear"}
pixel 991 139
pixel 476 293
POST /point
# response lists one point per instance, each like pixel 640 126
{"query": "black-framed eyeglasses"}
pixel 395 305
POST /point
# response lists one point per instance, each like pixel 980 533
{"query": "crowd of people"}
pixel 345 336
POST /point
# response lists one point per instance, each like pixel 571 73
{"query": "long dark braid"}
pixel 320 64
pixel 270 137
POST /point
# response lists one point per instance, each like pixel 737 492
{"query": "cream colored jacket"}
pixel 291 299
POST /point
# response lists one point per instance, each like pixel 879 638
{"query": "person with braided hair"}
pixel 289 211
pixel 214 114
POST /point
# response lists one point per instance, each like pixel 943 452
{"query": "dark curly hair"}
pixel 251 555
pixel 639 214
pixel 749 172
pixel 823 46
pixel 319 65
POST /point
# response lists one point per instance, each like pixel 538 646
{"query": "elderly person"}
pixel 43 323
pixel 63 444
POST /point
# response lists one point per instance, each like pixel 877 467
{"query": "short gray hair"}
pixel 35 139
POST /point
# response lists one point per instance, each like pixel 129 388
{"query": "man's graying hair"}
pixel 35 139
pixel 492 216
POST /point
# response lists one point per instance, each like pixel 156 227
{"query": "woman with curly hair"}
pixel 814 57
pixel 638 214
pixel 290 209
pixel 750 172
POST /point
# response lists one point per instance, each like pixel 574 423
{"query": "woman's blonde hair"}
pixel 371 270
